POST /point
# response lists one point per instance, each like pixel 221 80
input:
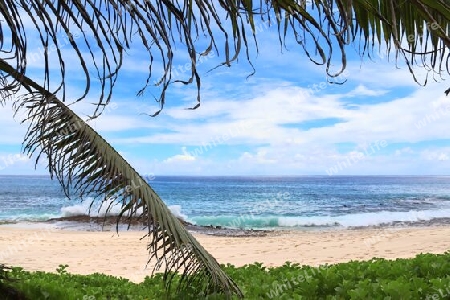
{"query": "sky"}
pixel 286 119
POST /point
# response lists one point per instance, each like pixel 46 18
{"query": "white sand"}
pixel 126 255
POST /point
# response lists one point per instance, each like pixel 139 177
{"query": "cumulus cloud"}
pixel 257 126
pixel 362 90
pixel 181 157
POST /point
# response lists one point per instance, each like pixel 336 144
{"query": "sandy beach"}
pixel 125 255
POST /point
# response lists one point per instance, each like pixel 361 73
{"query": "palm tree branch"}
pixel 87 166
pixel 107 28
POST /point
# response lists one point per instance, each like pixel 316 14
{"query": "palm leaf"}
pixel 86 165
pixel 321 28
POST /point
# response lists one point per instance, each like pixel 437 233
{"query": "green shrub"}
pixel 7 291
pixel 422 277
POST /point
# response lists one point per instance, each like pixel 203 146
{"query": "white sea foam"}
pixel 107 208
pixel 306 222
pixel 364 219
pixel 101 210
pixel 348 220
pixel 176 211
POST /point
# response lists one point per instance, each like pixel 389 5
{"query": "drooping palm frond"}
pixel 416 31
pixel 86 165
pixel 98 32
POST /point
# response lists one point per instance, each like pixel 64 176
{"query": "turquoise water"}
pixel 256 202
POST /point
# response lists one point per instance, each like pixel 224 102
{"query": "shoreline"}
pixel 109 223
pixel 135 224
pixel 125 254
pixel 85 223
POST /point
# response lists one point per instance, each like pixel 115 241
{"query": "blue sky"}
pixel 284 120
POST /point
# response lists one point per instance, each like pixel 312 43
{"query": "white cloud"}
pixel 362 90
pixel 443 156
pixel 181 157
pixel 260 157
pixel 260 119
pixel 395 119
pixel 436 155
pixel 262 112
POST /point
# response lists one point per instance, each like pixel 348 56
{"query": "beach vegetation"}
pixel 7 291
pixel 97 34
pixel 422 277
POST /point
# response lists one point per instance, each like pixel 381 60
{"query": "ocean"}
pixel 308 202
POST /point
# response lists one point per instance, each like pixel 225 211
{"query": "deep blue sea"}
pixel 256 202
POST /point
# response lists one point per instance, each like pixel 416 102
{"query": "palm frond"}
pixel 98 32
pixel 416 31
pixel 87 166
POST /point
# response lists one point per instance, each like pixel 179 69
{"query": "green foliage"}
pixel 8 292
pixel 3 273
pixel 62 269
pixel 423 277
